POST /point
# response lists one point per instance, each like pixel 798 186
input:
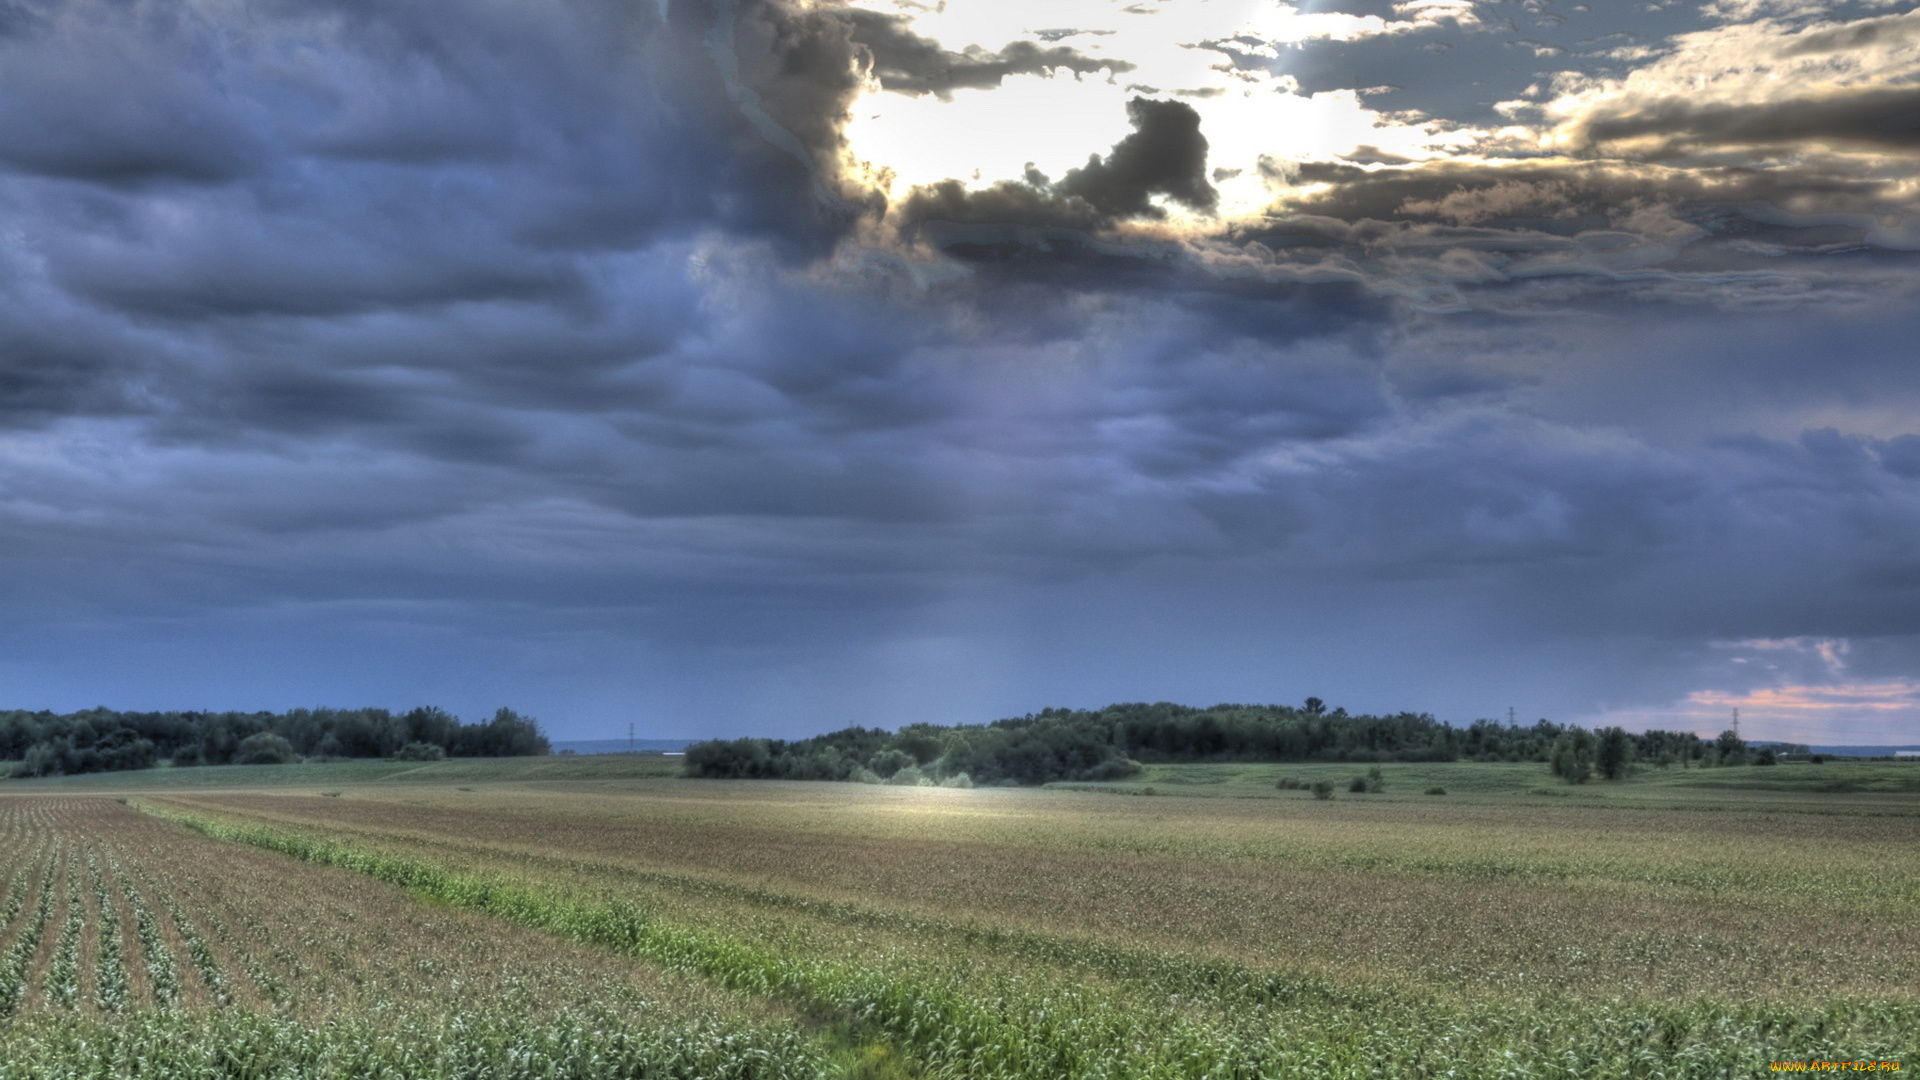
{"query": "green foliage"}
pixel 102 740
pixel 1358 784
pixel 1436 790
pixel 1613 753
pixel 1573 756
pixel 263 748
pixel 421 751
pixel 1104 745
pixel 1323 789
pixel 502 1044
pixel 1064 1011
pixel 889 761
pixel 1730 748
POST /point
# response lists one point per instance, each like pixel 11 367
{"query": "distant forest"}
pixel 102 740
pixel 1112 743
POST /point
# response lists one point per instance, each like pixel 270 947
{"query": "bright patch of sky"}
pixel 1179 49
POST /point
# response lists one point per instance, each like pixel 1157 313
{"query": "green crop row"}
pixel 227 1044
pixel 1027 1024
pixel 162 972
pixel 63 975
pixel 16 963
pixel 112 993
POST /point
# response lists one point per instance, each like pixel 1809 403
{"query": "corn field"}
pixel 130 948
pixel 677 931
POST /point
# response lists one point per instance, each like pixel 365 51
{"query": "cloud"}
pixel 549 330
pixel 906 63
pixel 1748 82
pixel 1795 689
pixel 1165 155
pixel 1878 119
pixel 86 95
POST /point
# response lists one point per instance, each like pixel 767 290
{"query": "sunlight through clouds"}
pixel 1255 120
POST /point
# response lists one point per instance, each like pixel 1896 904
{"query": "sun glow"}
pixel 1225 58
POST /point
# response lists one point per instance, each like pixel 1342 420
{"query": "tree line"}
pixel 1115 742
pixel 104 740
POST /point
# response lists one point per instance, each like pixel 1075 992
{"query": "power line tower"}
pixel 1736 722
pixel 1509 716
pixel 631 748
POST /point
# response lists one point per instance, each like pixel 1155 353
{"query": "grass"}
pixel 1753 785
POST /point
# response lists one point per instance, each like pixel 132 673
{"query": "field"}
pixel 603 917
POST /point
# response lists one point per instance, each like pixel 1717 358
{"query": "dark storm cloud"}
pixel 907 63
pixel 106 105
pixel 1880 119
pixel 442 330
pixel 1165 155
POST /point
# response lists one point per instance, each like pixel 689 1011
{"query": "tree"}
pixel 1614 753
pixel 1733 749
pixel 1314 707
pixel 1572 756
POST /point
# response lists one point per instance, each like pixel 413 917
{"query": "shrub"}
pixel 265 748
pixel 1323 789
pixel 420 751
pixel 887 762
pixel 911 776
pixel 1436 791
pixel 957 780
pixel 1292 783
pixel 1358 783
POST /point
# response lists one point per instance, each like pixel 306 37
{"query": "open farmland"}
pixel 135 948
pixel 1647 929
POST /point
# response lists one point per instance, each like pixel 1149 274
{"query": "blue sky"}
pixel 733 366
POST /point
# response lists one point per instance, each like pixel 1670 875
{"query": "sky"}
pixel 763 367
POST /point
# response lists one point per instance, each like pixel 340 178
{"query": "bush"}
pixel 957 780
pixel 265 748
pixel 887 762
pixel 1358 783
pixel 1292 783
pixel 420 751
pixel 910 776
pixel 1323 789
pixel 1436 791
